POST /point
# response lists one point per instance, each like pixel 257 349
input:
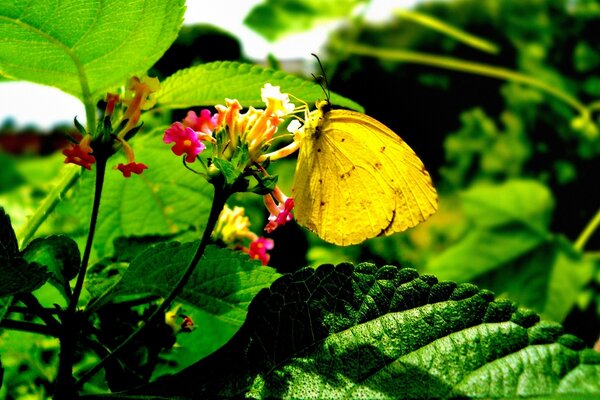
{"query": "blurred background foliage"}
pixel 517 168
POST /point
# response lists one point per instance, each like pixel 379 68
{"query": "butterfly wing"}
pixel 356 179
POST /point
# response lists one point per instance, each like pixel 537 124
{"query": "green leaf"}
pixel 9 246
pixel 368 332
pixel 166 199
pixel 85 47
pixel 20 276
pixel 60 255
pixel 510 250
pixel 228 170
pixel 4 304
pixel 223 283
pixel 274 19
pixel 233 80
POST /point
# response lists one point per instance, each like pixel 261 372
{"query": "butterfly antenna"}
pixel 322 78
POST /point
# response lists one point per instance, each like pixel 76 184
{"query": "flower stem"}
pixel 43 211
pixel 587 232
pixel 65 388
pixel 220 197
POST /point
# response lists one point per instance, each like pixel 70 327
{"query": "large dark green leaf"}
pixel 233 80
pixel 510 249
pixel 368 332
pixel 20 276
pixel 85 43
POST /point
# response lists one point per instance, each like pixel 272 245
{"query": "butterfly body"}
pixel 356 179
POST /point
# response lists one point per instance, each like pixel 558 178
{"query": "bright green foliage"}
pixel 509 248
pixel 85 47
pixel 368 332
pixel 274 19
pixel 165 199
pixel 60 255
pixel 223 283
pixel 209 84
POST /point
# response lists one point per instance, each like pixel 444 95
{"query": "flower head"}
pixel 233 226
pixel 81 153
pixel 258 249
pixel 139 99
pixel 205 123
pixel 134 167
pixel 186 141
pixel 280 213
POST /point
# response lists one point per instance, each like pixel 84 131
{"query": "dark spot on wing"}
pixel 378 165
pixel 322 203
pixel 343 139
pixel 318 150
pixel 382 149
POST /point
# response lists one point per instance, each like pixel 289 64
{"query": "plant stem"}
pixel 220 197
pixel 65 388
pixel 27 327
pixel 448 30
pixel 43 211
pixel 465 66
pixel 588 231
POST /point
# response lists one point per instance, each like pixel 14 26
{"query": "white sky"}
pixel 43 106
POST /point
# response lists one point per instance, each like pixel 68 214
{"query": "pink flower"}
pixel 81 153
pixel 186 141
pixel 258 249
pixel 204 123
pixel 134 167
pixel 280 213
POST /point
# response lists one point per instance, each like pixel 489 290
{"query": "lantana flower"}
pixel 81 153
pixel 281 213
pixel 233 229
pixel 230 132
pixel 137 98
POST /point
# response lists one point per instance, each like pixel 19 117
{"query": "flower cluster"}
pixel 229 130
pixel 233 229
pixel 124 112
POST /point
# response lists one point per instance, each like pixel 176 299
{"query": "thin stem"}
pixel 27 327
pixel 466 66
pixel 44 210
pixel 65 388
pixel 448 30
pixel 588 231
pixel 218 203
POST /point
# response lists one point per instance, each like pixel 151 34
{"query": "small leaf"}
pixel 5 302
pixel 88 43
pixel 228 170
pixel 20 276
pixel 233 80
pixel 60 255
pixel 223 283
pixel 274 19
pixel 9 246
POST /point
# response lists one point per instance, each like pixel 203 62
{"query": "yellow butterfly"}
pixel 356 179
